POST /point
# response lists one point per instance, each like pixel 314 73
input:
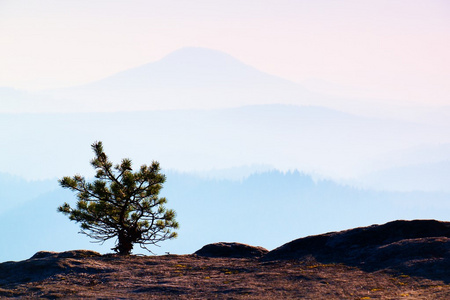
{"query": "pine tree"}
pixel 121 204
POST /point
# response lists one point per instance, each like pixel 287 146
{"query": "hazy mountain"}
pixel 264 209
pixel 420 177
pixel 421 167
pixel 200 78
pixel 311 139
pixel 190 78
pixel 18 101
pixel 13 193
pixel 233 173
pixel 36 224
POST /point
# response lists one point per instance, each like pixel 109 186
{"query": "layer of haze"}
pixel 390 50
pixel 232 98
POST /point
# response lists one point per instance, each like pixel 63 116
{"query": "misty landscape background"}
pixel 249 157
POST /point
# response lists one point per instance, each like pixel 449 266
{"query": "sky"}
pixel 395 50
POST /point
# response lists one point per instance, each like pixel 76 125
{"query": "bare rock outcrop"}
pixel 234 250
pixel 414 247
pixel 45 264
pixel 66 254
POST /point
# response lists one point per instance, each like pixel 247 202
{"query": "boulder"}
pixel 234 250
pixel 45 264
pixel 66 254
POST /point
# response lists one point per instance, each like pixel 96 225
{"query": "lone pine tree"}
pixel 121 204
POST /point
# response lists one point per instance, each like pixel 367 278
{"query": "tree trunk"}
pixel 125 244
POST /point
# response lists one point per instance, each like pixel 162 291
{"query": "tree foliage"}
pixel 121 204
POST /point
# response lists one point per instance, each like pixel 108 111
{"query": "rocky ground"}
pixel 398 260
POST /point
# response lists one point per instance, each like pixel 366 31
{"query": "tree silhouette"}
pixel 121 204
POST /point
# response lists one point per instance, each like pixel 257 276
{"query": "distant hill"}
pixel 192 68
pixel 18 101
pixel 15 191
pixel 309 138
pixel 416 177
pixel 265 209
pixel 200 78
pixel 190 78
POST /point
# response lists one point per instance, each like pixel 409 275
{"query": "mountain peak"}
pixel 202 63
pixel 199 54
pixel 188 78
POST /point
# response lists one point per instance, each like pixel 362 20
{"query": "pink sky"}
pixel 382 49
